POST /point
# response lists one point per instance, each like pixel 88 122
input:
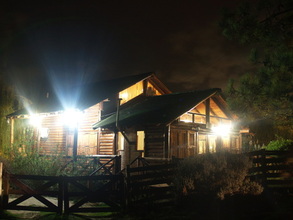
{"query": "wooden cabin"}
pixel 173 125
pixel 62 123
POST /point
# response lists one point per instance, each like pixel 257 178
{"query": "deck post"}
pixel 1 181
pixel 5 190
pixel 75 143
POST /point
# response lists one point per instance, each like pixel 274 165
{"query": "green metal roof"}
pixel 157 109
pixel 83 96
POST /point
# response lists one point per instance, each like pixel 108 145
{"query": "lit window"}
pixel 44 133
pixel 131 92
pixel 120 141
pixel 186 117
pixel 140 140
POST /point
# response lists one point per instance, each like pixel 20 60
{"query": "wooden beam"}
pixel 11 131
pixel 208 109
pixel 75 143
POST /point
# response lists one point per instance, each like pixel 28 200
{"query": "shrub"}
pixel 280 144
pixel 25 159
pixel 217 175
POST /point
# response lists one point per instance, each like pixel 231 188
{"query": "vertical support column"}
pixel 1 181
pixel 117 163
pixel 63 195
pixel 208 109
pixel 5 191
pixel 208 123
pixel 11 131
pixel 75 143
pixel 167 142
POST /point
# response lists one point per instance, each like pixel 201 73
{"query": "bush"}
pixel 280 144
pixel 216 175
pixel 25 159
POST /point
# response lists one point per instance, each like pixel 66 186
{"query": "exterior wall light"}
pixel 71 118
pixel 35 120
pixel 44 133
pixel 222 129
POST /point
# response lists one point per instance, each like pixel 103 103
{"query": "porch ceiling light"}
pixel 35 120
pixel 222 129
pixel 71 117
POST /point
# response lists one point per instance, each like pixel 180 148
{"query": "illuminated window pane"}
pixel 120 141
pixel 186 117
pixel 201 144
pixel 131 92
pixel 44 133
pixel 212 143
pixel 199 119
pixel 151 90
pixel 140 140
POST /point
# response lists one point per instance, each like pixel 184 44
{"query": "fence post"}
pixel 117 165
pixel 264 167
pixel 60 194
pixel 1 181
pixel 127 188
pixel 5 189
pixel 65 183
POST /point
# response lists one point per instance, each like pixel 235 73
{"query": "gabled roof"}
pixel 87 95
pixel 158 109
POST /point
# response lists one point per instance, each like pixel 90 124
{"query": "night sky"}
pixel 68 42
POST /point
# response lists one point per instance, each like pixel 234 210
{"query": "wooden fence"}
pixel 109 192
pixel 63 194
pixel 135 187
pixel 274 169
pixel 149 185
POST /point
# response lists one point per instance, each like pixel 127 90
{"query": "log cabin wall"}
pixel 183 141
pixel 187 140
pixel 106 142
pixel 87 137
pixel 60 138
pixel 155 141
pixel 56 140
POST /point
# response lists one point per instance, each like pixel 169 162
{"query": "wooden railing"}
pixel 149 185
pixel 93 164
pixel 274 169
pixel 63 194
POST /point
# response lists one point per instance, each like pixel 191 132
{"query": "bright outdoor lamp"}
pixel 35 120
pixel 71 118
pixel 222 129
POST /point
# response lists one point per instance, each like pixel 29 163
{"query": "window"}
pixel 186 118
pixel 140 140
pixel 151 90
pixel 120 141
pixel 44 133
pixel 131 92
pixel 200 119
pixel 201 144
pixel 212 143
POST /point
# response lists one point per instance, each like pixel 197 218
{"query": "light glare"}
pixel 222 130
pixel 71 118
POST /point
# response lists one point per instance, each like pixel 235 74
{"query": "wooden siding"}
pixel 60 139
pixel 106 142
pixel 87 137
pixel 56 141
pixel 155 141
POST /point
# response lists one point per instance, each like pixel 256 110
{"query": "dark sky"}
pixel 82 41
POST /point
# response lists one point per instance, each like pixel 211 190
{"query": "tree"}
pixel 266 26
pixel 7 103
